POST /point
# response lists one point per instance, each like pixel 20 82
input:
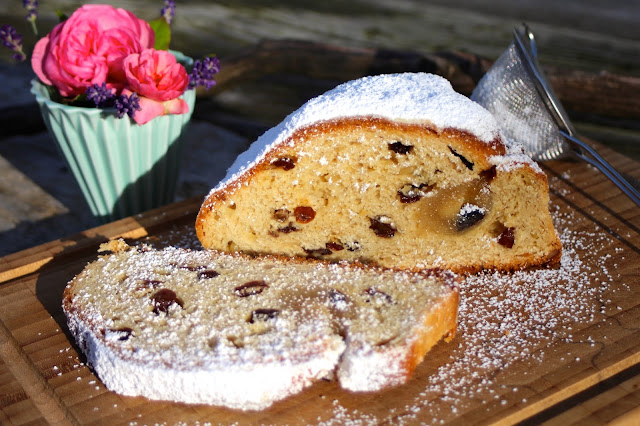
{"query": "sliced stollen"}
pixel 242 332
pixel 397 170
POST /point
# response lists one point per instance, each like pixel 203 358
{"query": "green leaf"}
pixel 162 31
pixel 61 15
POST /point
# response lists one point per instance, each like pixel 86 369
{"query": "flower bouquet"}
pixel 116 101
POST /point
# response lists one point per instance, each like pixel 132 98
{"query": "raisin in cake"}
pixel 241 332
pixel 397 170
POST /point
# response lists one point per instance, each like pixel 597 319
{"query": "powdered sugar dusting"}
pixel 511 161
pixel 407 97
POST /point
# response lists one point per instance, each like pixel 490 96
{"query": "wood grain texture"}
pixel 47 402
pixel 28 261
pixel 602 349
pixel 582 91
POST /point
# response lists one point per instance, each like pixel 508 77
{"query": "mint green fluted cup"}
pixel 122 168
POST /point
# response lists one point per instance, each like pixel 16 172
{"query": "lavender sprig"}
pixel 101 95
pixel 13 40
pixel 31 7
pixel 168 11
pixel 203 71
pixel 127 105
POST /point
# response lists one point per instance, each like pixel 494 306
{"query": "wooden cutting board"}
pixel 553 345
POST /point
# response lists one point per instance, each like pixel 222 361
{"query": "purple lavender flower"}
pixel 101 95
pixel 168 10
pixel 127 105
pixel 13 40
pixel 203 71
pixel 31 7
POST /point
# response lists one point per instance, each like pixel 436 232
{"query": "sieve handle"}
pixel 588 154
pixel 525 42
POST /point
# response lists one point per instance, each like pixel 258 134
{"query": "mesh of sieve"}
pixel 508 90
pixel 517 93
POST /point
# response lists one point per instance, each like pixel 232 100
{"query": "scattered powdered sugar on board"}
pixel 178 235
pixel 507 319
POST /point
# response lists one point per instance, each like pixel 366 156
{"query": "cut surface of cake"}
pixel 396 170
pixel 242 332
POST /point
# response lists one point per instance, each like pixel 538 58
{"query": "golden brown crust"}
pixel 441 321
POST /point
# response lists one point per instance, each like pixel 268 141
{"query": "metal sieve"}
pixel 517 93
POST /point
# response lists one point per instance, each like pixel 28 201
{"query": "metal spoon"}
pixel 517 93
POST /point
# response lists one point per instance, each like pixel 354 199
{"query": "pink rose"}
pixel 159 80
pixel 150 108
pixel 155 74
pixel 89 48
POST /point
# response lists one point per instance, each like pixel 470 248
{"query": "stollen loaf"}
pixel 395 170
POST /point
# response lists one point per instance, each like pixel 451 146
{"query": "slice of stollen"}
pixel 242 332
